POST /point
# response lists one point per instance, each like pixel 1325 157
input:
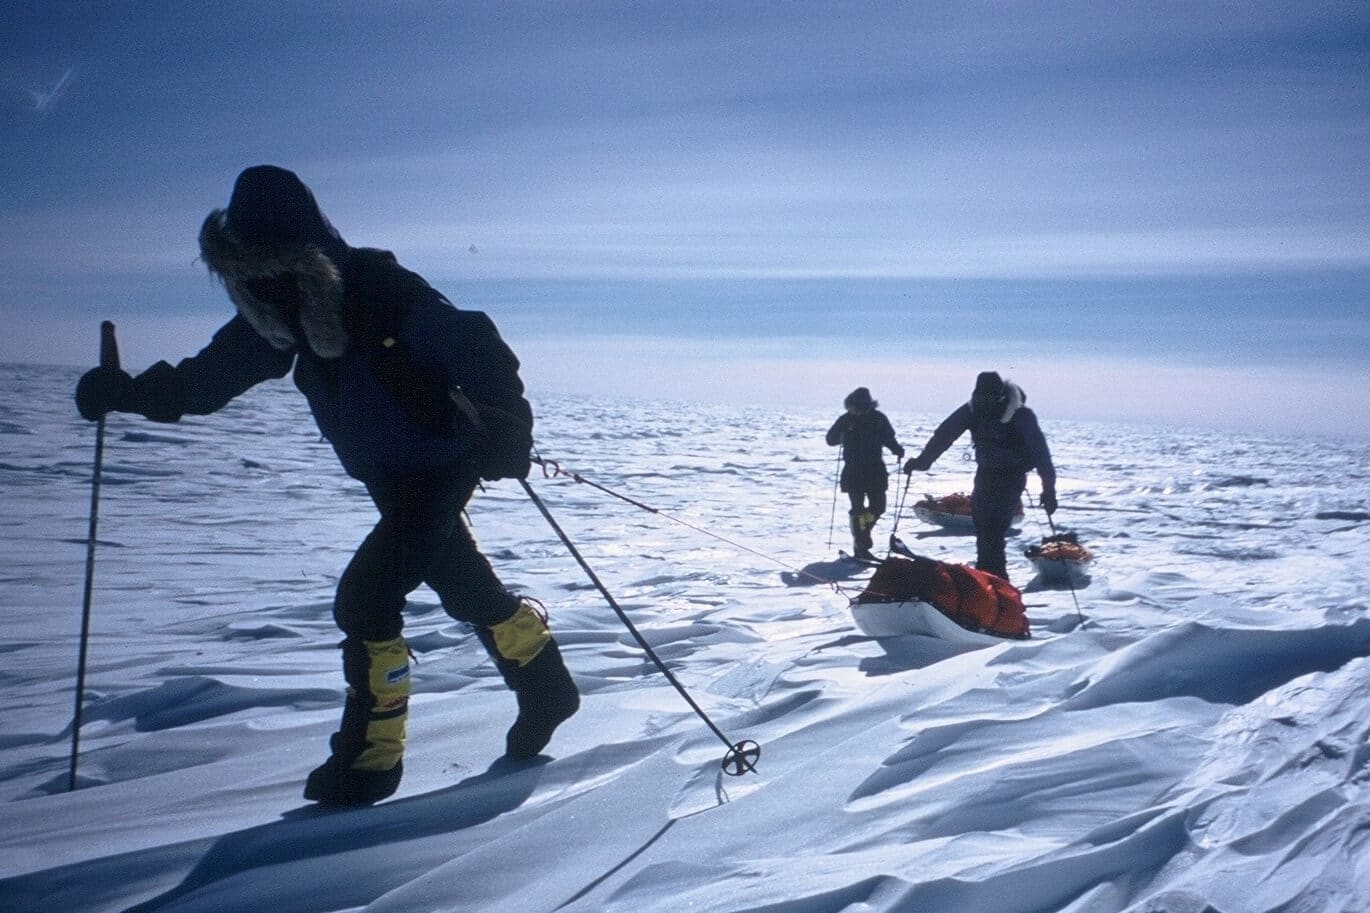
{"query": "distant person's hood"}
pixel 996 398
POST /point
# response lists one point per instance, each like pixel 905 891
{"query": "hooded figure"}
pixel 1008 443
pixel 279 259
pixel 379 356
pixel 863 432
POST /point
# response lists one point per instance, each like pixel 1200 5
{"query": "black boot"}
pixel 862 542
pixel 547 695
pixel 335 783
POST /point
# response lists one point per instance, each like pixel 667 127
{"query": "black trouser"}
pixel 420 538
pixel 870 501
pixel 993 505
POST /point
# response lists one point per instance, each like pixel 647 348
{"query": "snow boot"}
pixel 368 749
pixel 861 524
pixel 528 658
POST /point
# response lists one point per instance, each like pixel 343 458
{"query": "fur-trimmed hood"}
pixel 1011 399
pixel 273 230
pixel 1014 398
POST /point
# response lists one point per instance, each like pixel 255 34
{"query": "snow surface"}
pixel 1201 743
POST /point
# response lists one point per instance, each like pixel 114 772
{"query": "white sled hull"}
pixel 943 519
pixel 961 523
pixel 899 619
pixel 1058 570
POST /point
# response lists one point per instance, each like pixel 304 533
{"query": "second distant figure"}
pixel 864 432
pixel 1008 442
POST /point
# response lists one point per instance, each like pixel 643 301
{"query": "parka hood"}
pixel 273 232
pixel 998 398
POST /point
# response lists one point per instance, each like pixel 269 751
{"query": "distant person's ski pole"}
pixel 109 358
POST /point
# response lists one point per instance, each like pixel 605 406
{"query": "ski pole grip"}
pixel 109 348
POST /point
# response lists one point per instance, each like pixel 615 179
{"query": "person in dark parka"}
pixel 864 432
pixel 378 354
pixel 1008 442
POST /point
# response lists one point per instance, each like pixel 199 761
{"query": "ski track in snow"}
pixel 1201 743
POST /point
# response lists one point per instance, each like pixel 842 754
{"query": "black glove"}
pixel 1049 502
pixel 917 463
pixel 102 390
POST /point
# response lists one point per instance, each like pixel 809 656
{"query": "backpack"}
pixel 485 401
pixel 490 401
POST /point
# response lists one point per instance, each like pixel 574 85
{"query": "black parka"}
pixel 862 436
pixel 1009 442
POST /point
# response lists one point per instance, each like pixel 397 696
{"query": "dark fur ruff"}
pixel 235 262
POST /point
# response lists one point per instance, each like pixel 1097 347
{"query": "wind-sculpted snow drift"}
pixel 1201 743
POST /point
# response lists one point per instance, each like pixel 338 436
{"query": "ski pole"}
pixel 109 358
pixel 741 756
pixel 836 482
pixel 899 509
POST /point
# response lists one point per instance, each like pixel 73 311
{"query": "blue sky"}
pixel 1150 211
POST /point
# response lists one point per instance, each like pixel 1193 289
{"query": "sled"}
pixel 950 511
pixel 910 594
pixel 1061 559
pixel 913 616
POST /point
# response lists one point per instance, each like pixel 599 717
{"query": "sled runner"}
pixel 916 595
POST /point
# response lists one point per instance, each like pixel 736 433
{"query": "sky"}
pixel 1154 212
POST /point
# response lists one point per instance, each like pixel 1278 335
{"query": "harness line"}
pixel 552 470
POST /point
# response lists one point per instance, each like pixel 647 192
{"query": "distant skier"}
pixel 1008 442
pixel 864 433
pixel 420 401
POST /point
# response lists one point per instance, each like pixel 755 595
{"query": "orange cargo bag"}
pixel 974 599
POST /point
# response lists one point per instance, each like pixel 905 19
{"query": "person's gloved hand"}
pixel 1049 502
pixel 917 463
pixel 102 390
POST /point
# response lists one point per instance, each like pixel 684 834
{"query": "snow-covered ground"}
pixel 1201 743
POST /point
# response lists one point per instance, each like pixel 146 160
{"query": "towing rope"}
pixel 551 469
